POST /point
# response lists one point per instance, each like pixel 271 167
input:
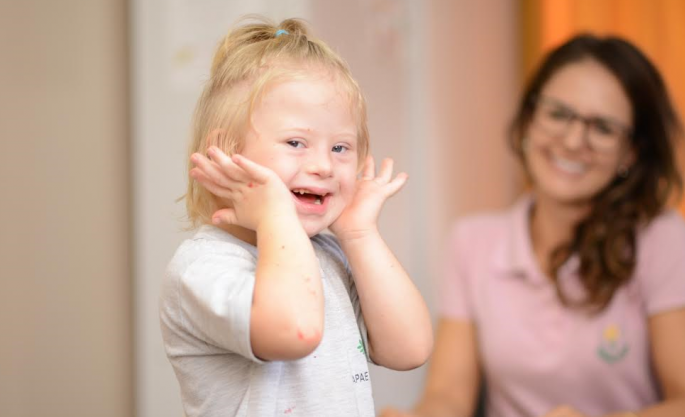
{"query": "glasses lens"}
pixel 552 118
pixel 604 134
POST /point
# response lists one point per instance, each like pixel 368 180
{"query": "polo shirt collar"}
pixel 514 255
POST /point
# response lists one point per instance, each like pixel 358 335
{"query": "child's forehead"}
pixel 292 84
pixel 307 74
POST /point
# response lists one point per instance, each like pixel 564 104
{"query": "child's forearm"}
pixel 287 306
pixel 396 316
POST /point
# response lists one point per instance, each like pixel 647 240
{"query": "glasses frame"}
pixel 625 132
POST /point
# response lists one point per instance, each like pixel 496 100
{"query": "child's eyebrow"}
pixel 348 134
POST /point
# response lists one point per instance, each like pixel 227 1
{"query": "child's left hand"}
pixel 361 215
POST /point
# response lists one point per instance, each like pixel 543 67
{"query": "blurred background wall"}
pixel 95 104
pixel 66 305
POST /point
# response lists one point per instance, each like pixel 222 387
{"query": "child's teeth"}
pixel 317 201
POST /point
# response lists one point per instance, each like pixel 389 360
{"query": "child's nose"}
pixel 320 165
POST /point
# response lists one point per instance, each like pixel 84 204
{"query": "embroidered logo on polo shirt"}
pixel 612 348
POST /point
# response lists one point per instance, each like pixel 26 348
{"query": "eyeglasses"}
pixel 600 133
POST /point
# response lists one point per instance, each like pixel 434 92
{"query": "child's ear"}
pixel 215 137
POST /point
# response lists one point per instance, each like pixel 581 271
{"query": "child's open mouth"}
pixel 307 196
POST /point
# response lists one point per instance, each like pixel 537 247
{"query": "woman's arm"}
pixel 667 338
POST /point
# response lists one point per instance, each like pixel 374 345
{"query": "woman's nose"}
pixel 577 135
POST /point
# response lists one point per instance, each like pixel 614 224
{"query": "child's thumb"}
pixel 224 216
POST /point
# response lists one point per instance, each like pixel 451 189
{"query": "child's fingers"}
pixel 210 184
pixel 210 169
pixel 253 169
pixel 396 184
pixel 369 168
pixel 385 173
pixel 224 216
pixel 228 167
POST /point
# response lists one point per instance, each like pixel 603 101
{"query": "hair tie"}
pixel 280 32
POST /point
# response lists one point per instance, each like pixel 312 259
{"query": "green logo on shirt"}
pixel 361 347
pixel 612 347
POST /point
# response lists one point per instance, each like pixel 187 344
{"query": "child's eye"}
pixel 340 149
pixel 295 143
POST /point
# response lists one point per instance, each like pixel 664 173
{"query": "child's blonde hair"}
pixel 246 62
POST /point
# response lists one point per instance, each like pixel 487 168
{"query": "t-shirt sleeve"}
pixel 215 299
pixel 661 263
pixel 453 285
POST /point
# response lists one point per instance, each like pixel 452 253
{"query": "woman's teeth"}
pixel 569 166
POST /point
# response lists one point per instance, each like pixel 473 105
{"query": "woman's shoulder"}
pixel 489 224
pixel 668 228
pixel 661 246
pixel 661 243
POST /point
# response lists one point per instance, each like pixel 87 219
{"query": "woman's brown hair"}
pixel 606 240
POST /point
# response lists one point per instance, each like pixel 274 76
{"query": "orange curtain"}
pixel 655 26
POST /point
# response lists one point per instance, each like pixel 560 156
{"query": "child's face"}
pixel 305 132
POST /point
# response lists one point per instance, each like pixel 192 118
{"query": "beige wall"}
pixel 65 297
pixel 473 83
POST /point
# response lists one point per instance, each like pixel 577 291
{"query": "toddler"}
pixel 264 312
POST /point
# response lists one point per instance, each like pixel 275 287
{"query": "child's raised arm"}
pixel 286 319
pixel 397 319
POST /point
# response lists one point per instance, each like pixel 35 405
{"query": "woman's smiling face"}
pixel 573 166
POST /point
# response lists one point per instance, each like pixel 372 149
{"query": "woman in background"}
pixel 572 302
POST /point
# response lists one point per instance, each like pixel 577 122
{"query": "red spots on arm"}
pixel 307 336
pixel 311 290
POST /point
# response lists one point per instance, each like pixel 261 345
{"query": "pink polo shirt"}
pixel 537 354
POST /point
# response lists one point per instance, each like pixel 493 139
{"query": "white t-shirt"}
pixel 205 308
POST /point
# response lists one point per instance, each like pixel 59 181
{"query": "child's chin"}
pixel 313 230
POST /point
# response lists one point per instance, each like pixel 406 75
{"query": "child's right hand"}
pixel 251 193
